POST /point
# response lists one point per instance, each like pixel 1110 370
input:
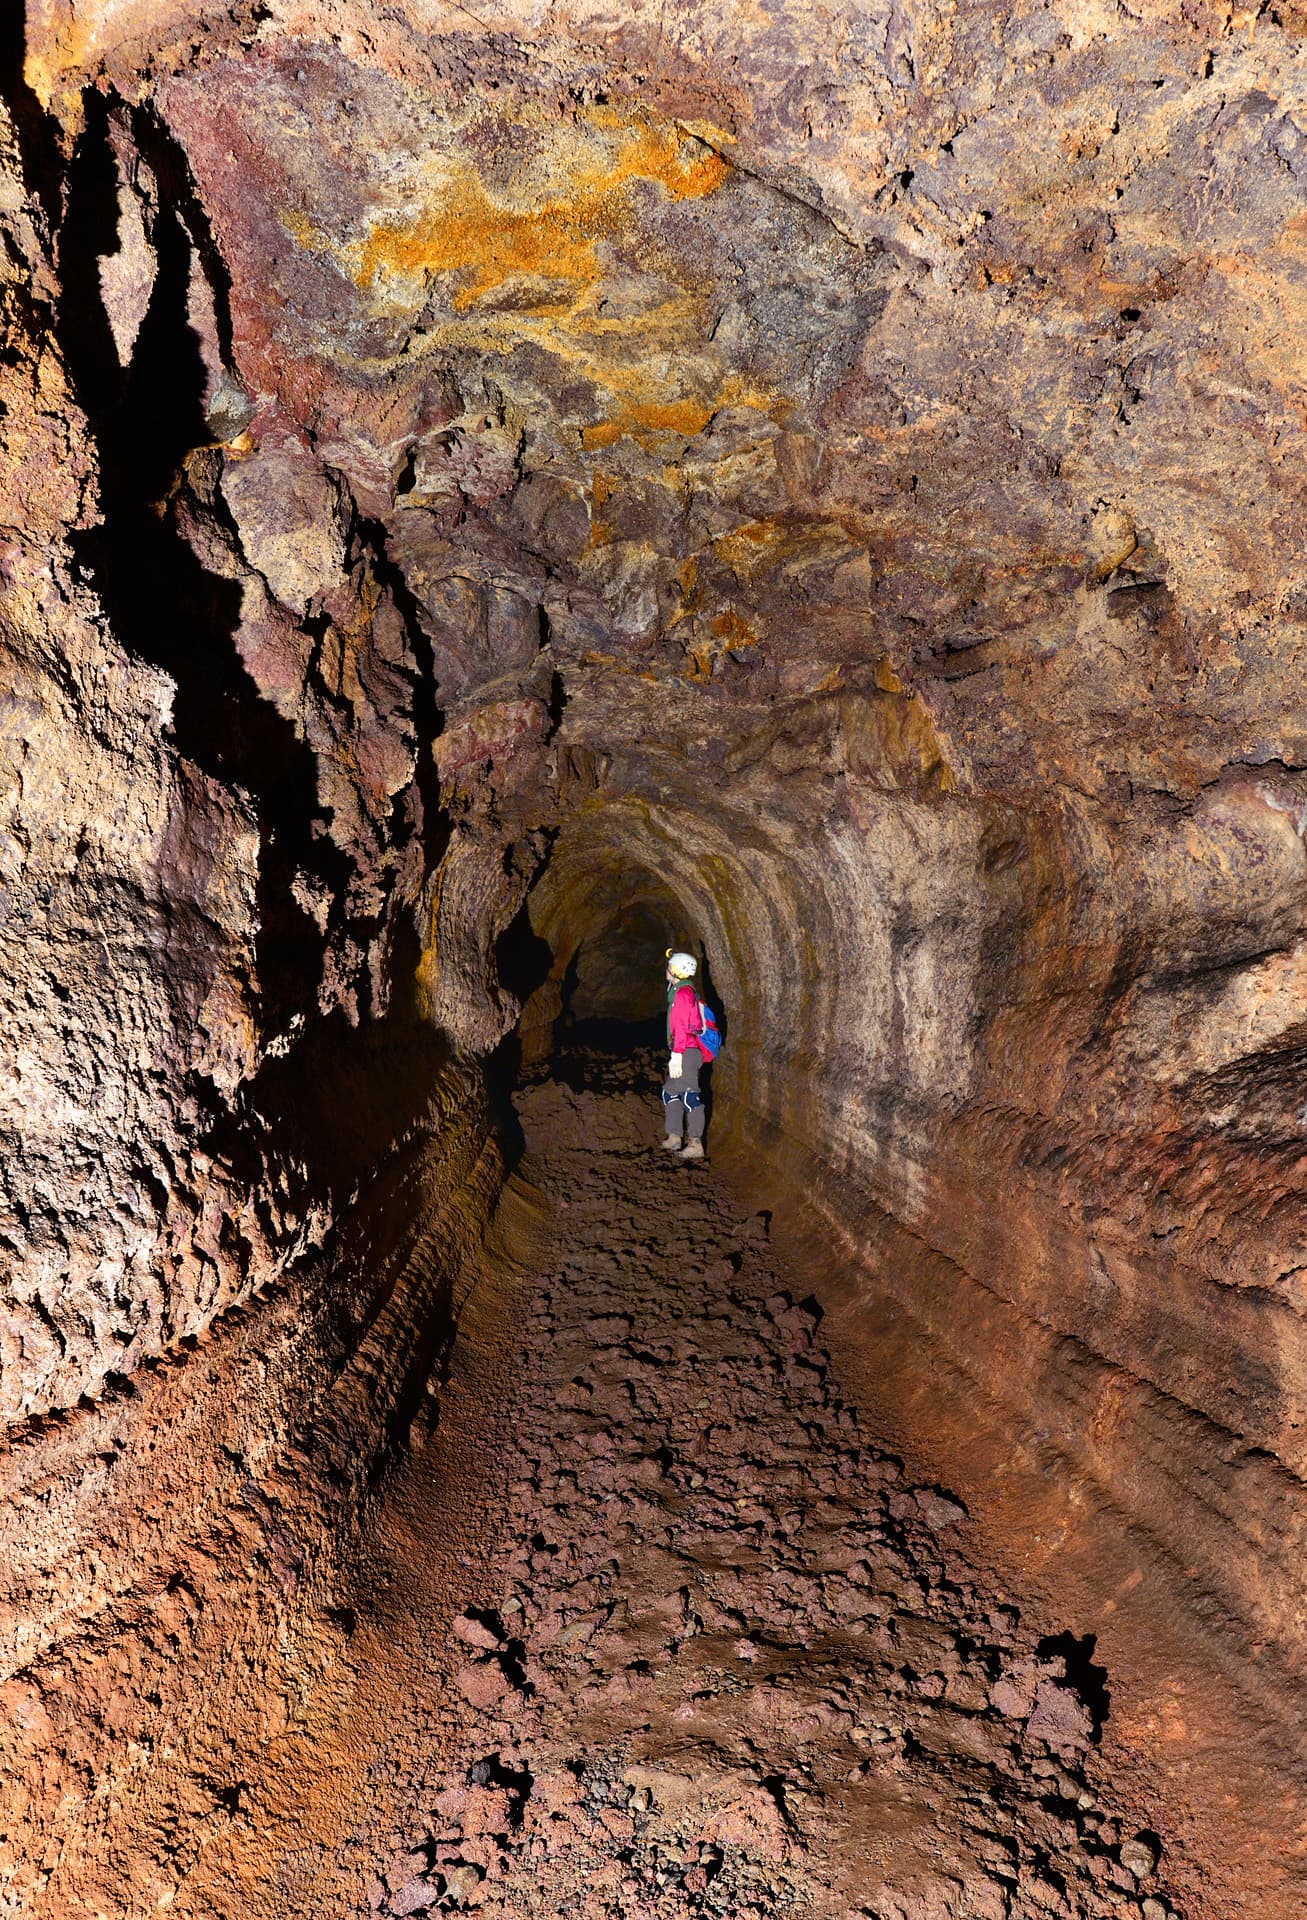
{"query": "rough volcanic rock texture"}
pixel 719 1657
pixel 172 1549
pixel 193 1122
pixel 828 478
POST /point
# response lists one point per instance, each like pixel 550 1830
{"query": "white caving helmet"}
pixel 681 966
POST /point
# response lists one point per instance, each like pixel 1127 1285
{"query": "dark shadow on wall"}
pixel 522 961
pixel 338 1101
pixel 163 604
pixel 36 133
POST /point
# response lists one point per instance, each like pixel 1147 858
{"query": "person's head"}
pixel 681 967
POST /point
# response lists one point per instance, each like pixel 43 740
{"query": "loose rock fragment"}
pixel 1140 1855
pixel 474 1631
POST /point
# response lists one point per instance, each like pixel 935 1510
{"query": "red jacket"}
pixel 683 1022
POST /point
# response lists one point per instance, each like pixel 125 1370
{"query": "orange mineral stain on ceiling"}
pixel 646 420
pixel 586 196
pixel 564 251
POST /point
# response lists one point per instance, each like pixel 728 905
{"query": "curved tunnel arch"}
pixel 696 867
pixel 850 986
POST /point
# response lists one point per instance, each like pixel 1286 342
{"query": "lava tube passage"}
pixel 653 960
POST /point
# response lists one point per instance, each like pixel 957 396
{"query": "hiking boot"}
pixel 673 1143
pixel 692 1150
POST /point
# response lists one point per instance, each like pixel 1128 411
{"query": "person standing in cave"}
pixel 682 1100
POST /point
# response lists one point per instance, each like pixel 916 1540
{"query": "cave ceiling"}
pixel 675 367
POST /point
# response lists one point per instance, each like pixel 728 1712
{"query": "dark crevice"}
pixel 177 191
pixel 163 604
pixel 1087 1680
pixel 434 824
pixel 34 129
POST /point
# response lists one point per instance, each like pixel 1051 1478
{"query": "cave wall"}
pixel 176 1550
pixel 245 1174
pixel 839 475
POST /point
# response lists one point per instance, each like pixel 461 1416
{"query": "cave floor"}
pixel 650 1628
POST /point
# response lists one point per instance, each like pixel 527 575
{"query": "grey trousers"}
pixel 682 1099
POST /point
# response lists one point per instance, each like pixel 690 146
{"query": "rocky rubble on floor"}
pixel 736 1664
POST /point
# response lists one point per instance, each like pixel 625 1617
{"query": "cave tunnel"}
pixel 607 943
pixel 484 501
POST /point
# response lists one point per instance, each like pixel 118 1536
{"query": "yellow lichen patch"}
pixel 63 41
pixel 685 417
pixel 700 657
pixel 306 233
pixel 686 604
pixel 727 632
pixel 602 489
pixel 489 238
pixel 562 250
pixel 753 533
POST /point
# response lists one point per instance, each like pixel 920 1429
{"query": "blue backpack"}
pixel 709 1036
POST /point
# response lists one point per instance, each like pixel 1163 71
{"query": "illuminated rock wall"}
pixel 834 480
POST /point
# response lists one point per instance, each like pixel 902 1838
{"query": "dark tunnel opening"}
pixel 612 989
pixel 588 968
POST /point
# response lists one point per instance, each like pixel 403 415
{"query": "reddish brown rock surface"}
pixel 483 499
pixel 730 1660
